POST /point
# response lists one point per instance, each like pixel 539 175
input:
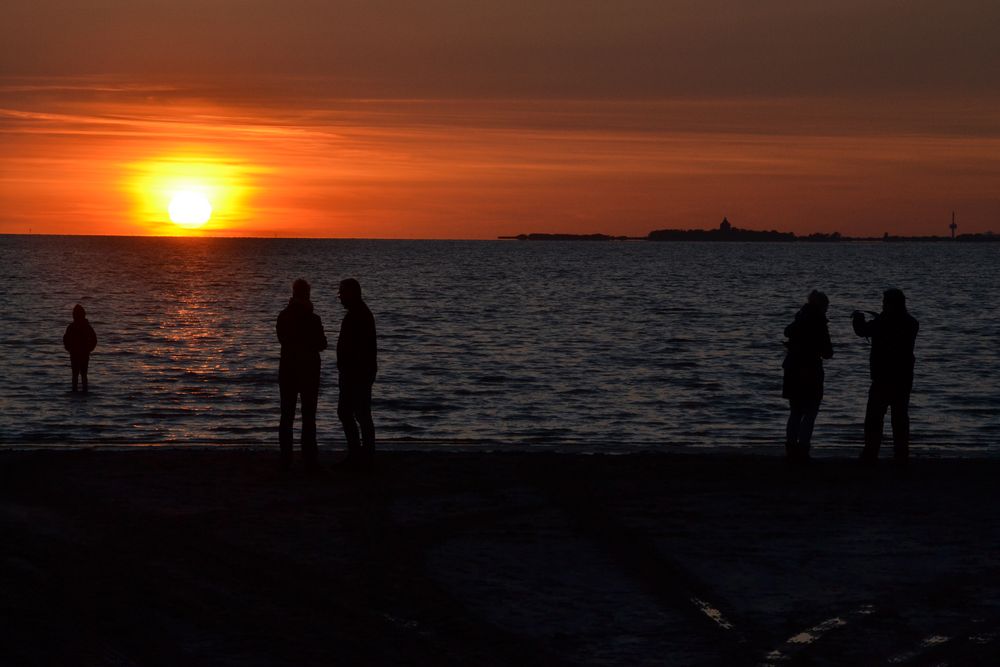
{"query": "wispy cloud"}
pixel 321 165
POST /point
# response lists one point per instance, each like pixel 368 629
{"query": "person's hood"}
pixel 810 311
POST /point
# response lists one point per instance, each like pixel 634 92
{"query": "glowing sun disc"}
pixel 189 208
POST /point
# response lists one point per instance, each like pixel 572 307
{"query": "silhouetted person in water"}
pixel 300 332
pixel 808 345
pixel 79 340
pixel 357 365
pixel 893 334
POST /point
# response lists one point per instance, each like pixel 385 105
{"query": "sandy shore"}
pixel 167 557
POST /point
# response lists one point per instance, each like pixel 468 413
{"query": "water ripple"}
pixel 607 344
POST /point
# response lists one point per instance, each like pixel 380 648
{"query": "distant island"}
pixel 726 232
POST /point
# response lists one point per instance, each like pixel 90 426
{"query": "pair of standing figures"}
pixel 893 333
pixel 300 332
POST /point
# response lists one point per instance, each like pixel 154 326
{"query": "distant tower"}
pixel 953 226
pixel 725 226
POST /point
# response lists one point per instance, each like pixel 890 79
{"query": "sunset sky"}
pixel 478 118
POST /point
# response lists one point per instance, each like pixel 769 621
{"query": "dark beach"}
pixel 202 557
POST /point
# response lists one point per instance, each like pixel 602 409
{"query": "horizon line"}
pixel 504 237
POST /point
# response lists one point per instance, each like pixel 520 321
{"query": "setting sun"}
pixel 188 194
pixel 189 208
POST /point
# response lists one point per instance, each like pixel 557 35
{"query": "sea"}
pixel 601 347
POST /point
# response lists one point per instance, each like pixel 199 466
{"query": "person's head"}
pixel 301 290
pixel 350 291
pixel 893 301
pixel 79 313
pixel 818 300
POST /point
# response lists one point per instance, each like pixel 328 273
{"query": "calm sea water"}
pixel 606 346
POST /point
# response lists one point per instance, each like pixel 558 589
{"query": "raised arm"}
pixel 863 327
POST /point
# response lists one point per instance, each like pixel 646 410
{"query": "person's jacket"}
pixel 808 344
pixel 80 339
pixel 893 336
pixel 357 351
pixel 300 332
pixel 808 338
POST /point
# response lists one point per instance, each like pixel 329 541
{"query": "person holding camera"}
pixel 893 334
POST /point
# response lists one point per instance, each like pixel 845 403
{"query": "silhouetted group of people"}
pixel 300 332
pixel 893 333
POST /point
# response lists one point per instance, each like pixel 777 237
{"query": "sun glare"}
pixel 187 194
pixel 190 209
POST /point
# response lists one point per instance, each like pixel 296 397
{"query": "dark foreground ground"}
pixel 214 558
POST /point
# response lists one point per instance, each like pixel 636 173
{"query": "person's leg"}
pixel 75 367
pixel 84 365
pixel 345 412
pixel 874 420
pixel 901 425
pixel 363 413
pixel 792 429
pixel 289 394
pixel 310 398
pixel 809 411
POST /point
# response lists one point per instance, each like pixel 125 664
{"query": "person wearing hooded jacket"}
pixel 79 340
pixel 893 334
pixel 808 345
pixel 300 332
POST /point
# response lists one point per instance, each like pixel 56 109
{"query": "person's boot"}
pixel 353 459
pixel 790 448
pixel 310 458
pixel 311 465
pixel 868 458
pixel 367 463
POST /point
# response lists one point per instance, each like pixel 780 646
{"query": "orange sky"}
pixel 472 120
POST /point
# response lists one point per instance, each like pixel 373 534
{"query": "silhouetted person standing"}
pixel 79 340
pixel 301 335
pixel 357 365
pixel 893 334
pixel 808 345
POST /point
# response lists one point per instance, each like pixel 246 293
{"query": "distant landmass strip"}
pixel 726 232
